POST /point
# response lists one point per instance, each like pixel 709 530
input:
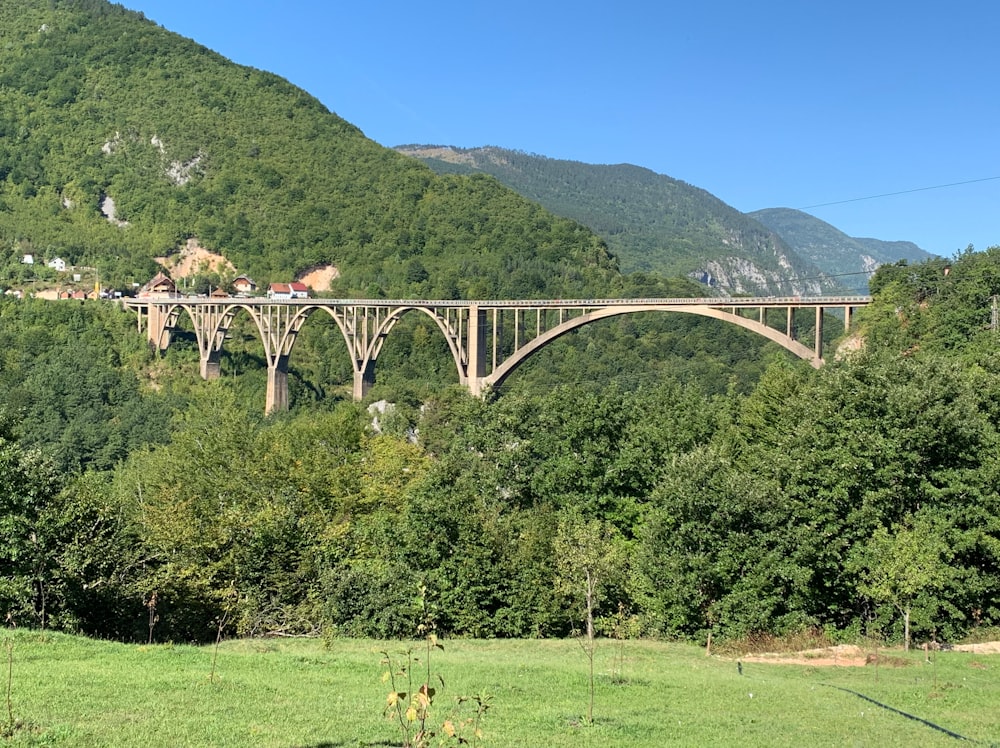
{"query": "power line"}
pixel 901 192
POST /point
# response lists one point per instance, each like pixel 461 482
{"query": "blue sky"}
pixel 766 104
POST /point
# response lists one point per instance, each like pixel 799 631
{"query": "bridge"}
pixel 488 340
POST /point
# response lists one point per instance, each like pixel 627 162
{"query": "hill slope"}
pixel 651 222
pixel 120 140
pixel 849 259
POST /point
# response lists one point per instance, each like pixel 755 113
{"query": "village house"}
pixel 58 264
pixel 287 291
pixel 243 284
pixel 160 286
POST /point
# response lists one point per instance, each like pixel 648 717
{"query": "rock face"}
pixel 851 260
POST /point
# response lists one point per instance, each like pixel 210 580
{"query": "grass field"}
pixel 68 691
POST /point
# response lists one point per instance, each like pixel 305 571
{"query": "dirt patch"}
pixel 851 655
pixel 319 278
pixel 842 655
pixel 194 258
pixel 981 648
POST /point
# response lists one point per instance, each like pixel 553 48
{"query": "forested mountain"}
pixel 650 221
pixel 120 140
pixel 851 260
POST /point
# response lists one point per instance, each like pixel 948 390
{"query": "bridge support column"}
pixel 211 368
pixel 277 386
pixel 158 327
pixel 476 365
pixel 818 357
pixel 364 378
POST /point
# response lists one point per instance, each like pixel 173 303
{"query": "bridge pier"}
pixel 818 358
pixel 211 368
pixel 276 399
pixel 364 378
pixel 475 368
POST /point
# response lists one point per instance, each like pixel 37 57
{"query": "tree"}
pixel 897 567
pixel 588 558
pixel 28 483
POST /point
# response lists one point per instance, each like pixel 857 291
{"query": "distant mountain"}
pixel 850 260
pixel 651 222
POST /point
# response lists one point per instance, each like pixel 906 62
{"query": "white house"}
pixel 285 291
pixel 58 264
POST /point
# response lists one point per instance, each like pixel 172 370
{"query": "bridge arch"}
pixel 505 369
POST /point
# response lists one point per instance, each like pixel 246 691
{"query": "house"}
pixel 28 260
pixel 58 264
pixel 159 286
pixel 244 284
pixel 286 291
pixel 218 293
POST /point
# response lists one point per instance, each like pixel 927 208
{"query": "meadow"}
pixel 60 690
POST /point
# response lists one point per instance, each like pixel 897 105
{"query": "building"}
pixel 159 286
pixel 288 291
pixel 244 284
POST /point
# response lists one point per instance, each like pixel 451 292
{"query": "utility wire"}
pixel 901 192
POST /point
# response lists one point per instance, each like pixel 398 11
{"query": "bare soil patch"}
pixel 319 278
pixel 851 655
pixel 841 655
pixel 194 258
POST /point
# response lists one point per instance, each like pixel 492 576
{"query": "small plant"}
pixel 11 725
pixel 410 708
pixel 621 627
pixel 456 729
pixel 231 600
pixel 153 617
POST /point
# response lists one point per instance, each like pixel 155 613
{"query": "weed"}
pixel 11 725
pixel 410 709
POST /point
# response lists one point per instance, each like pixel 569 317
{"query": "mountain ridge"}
pixel 624 204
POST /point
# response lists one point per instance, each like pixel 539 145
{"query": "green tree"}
pixel 28 483
pixel 589 558
pixel 899 566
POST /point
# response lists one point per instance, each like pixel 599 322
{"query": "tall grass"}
pixel 69 691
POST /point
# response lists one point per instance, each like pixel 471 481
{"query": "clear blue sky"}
pixel 788 103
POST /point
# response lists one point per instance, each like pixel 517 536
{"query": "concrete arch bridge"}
pixel 488 340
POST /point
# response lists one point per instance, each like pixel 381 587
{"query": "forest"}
pixel 860 498
pixel 699 479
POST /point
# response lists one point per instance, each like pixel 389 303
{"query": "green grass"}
pixel 68 691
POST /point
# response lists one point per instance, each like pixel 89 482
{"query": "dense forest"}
pixel 858 498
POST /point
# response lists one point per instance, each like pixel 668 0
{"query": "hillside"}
pixel 121 141
pixel 850 260
pixel 123 145
pixel 651 222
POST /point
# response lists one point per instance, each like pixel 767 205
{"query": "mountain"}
pixel 651 222
pixel 850 260
pixel 121 141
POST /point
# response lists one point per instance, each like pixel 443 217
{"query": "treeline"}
pixel 861 498
pixel 728 514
